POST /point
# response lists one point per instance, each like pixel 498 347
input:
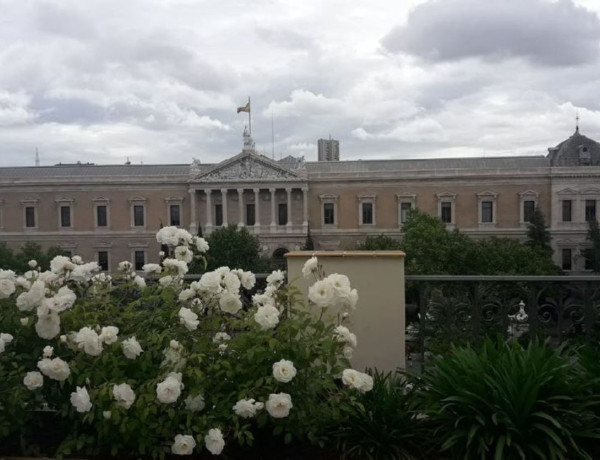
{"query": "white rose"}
pixel 80 399
pixel 169 389
pixel 109 334
pixel 63 299
pixel 247 408
pixel 107 414
pixel 348 351
pixel 7 287
pixel 27 301
pixel 139 282
pixel 84 272
pixel 248 279
pixel 231 282
pixel 276 278
pixel 77 259
pixel 48 323
pixel 188 318
pixel 201 244
pixel 230 303
pixel 183 253
pixel 183 445
pixel 131 348
pixel 358 380
pixel 152 269
pixel 60 264
pixel 262 300
pixel 214 441
pixel 33 380
pixel 322 293
pixel 343 334
pixel 195 403
pixel 284 371
pixel 32 263
pixel 55 368
pixel 125 266
pixel 267 317
pixel 23 282
pixel 88 340
pixel 24 321
pixel 6 338
pixel 48 351
pixel 310 266
pixel 210 282
pixel 168 236
pixel 221 337
pixel 279 405
pixel 174 265
pixel 124 395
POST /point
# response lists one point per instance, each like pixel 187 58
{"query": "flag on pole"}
pixel 246 108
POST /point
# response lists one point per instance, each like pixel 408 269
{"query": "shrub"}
pixel 381 424
pixel 146 370
pixel 503 401
pixel 378 243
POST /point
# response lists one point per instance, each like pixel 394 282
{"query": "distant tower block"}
pixel 329 149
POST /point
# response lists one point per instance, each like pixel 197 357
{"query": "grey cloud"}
pixel 67 22
pixel 285 38
pixel 548 33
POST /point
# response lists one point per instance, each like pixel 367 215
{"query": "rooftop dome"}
pixel 577 150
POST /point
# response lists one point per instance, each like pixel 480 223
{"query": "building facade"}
pixel 111 213
pixel 328 150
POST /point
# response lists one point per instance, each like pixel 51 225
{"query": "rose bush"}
pixel 162 366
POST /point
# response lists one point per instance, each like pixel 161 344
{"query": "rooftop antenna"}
pixel 577 122
pixel 37 157
pixel 272 136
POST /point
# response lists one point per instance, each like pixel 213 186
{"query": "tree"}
pixel 309 244
pixel 7 257
pixel 19 261
pixel 538 235
pixel 592 254
pixel 235 247
pixel 378 243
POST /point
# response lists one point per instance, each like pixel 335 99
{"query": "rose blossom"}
pixel 55 368
pixel 188 318
pixel 195 403
pixel 284 371
pixel 124 395
pixel 360 381
pixel 131 348
pixel 183 445
pixel 214 441
pixel 80 399
pixel 310 266
pixel 33 380
pixel 88 340
pixel 247 408
pixel 279 405
pixel 169 389
pixel 267 317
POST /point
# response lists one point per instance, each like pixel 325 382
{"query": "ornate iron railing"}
pixel 444 310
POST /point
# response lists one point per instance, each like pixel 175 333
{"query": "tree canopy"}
pixel 19 260
pixel 592 254
pixel 538 235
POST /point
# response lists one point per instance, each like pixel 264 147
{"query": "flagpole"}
pixel 249 116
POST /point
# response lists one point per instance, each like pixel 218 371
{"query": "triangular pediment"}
pixel 247 167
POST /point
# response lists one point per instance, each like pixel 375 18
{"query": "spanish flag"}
pixel 246 108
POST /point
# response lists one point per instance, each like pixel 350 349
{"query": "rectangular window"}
pixel 446 212
pixel 250 214
pixel 588 263
pixel 139 260
pixel 590 210
pixel 528 210
pixel 566 259
pixel 328 214
pixel 367 213
pixel 218 215
pixel 566 210
pixel 282 213
pixel 138 215
pixel 65 216
pixel 174 215
pixel 103 260
pixel 487 211
pixel 404 210
pixel 29 216
pixel 101 216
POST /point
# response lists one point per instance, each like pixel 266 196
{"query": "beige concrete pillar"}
pixel 379 319
pixel 256 210
pixel 288 226
pixel 273 222
pixel 224 201
pixel 209 224
pixel 241 206
pixel 305 210
pixel 193 224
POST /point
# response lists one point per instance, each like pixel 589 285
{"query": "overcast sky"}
pixel 159 81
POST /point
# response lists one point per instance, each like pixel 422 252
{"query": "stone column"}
pixel 273 222
pixel 305 210
pixel 224 206
pixel 241 206
pixel 256 210
pixel 288 226
pixel 209 224
pixel 193 224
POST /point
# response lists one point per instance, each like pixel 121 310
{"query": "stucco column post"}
pixel 209 224
pixel 288 226
pixel 224 201
pixel 256 210
pixel 193 225
pixel 273 224
pixel 241 206
pixel 305 210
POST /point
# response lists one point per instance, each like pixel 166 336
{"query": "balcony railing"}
pixel 445 310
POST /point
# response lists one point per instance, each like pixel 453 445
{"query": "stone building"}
pixel 111 213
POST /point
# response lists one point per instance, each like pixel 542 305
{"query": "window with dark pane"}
pixel 328 214
pixel 101 216
pixel 103 260
pixel 367 213
pixel 282 213
pixel 29 216
pixel 250 214
pixel 65 216
pixel 446 212
pixel 566 259
pixel 590 210
pixel 487 211
pixel 528 210
pixel 567 206
pixel 175 214
pixel 139 259
pixel 138 215
pixel 404 210
pixel 218 215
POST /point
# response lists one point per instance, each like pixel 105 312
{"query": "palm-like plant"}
pixel 506 402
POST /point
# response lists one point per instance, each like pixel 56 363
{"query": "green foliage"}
pixel 538 235
pixel 382 424
pixel 19 261
pixel 378 243
pixel 236 247
pixel 433 250
pixel 592 254
pixel 506 402
pixel 309 244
